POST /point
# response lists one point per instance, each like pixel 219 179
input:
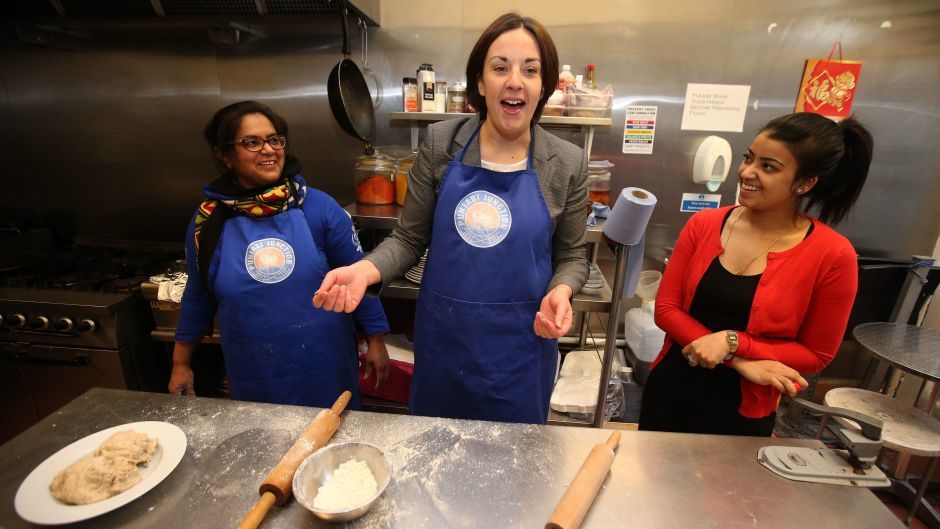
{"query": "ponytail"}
pixel 838 154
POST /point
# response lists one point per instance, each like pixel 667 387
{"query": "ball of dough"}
pixel 129 444
pixel 94 479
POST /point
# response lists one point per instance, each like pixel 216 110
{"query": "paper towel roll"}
pixel 630 215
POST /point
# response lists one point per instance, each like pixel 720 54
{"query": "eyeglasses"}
pixel 255 144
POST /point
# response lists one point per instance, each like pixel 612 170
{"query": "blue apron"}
pixel 489 263
pixel 277 347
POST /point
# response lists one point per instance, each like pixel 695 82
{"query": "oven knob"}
pixel 86 326
pixel 17 320
pixel 63 324
pixel 39 323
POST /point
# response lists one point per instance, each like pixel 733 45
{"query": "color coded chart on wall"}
pixel 639 129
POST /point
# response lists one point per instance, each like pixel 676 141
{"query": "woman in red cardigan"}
pixel 756 294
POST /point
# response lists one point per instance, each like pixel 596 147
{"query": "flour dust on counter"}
pixel 448 466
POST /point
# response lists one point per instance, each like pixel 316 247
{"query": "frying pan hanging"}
pixel 350 99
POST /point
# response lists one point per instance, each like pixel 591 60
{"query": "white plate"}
pixel 34 503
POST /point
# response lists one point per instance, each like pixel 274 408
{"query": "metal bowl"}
pixel 319 466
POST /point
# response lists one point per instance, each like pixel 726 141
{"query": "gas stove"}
pixel 74 321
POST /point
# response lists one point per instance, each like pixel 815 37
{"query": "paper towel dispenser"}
pixel 712 162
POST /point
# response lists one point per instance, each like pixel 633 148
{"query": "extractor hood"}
pixel 368 10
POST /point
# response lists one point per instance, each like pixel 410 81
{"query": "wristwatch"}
pixel 732 337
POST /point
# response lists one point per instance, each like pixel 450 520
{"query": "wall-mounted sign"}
pixel 717 107
pixel 692 202
pixel 828 87
pixel 639 129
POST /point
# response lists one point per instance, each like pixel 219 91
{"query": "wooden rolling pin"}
pixel 276 488
pixel 581 492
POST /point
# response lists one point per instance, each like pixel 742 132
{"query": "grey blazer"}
pixel 562 172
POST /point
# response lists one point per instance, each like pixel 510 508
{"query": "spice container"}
pixel 440 96
pixel 374 179
pixel 457 98
pixel 409 94
pixel 426 88
pixel 599 181
pixel 401 178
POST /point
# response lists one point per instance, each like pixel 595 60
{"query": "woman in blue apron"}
pixel 500 205
pixel 254 250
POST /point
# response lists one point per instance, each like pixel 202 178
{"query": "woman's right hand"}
pixel 770 372
pixel 343 288
pixel 181 381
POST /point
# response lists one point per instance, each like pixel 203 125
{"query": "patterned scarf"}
pixel 286 193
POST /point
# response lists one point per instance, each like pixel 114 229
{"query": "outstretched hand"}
pixel 343 288
pixel 553 320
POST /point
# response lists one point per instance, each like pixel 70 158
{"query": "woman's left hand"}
pixel 377 360
pixel 554 317
pixel 709 350
pixel 770 373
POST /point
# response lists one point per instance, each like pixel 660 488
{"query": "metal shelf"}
pixel 585 124
pixel 544 120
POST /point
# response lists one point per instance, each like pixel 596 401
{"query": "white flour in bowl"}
pixel 351 485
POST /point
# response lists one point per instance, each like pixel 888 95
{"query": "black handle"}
pixel 25 358
pixel 343 13
pixel 871 427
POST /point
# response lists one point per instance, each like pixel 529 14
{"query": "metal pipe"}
pixel 620 257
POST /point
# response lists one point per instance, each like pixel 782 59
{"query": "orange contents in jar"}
pixel 602 196
pixel 375 189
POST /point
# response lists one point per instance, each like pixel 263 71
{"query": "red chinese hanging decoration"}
pixel 828 86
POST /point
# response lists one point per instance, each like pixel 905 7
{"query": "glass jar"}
pixel 456 98
pixel 401 178
pixel 374 179
pixel 599 182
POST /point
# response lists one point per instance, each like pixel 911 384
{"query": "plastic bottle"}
pixel 632 395
pixel 613 409
pixel 565 77
pixel 409 94
pixel 426 88
pixel 590 79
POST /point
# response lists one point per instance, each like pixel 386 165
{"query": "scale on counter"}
pixel 851 463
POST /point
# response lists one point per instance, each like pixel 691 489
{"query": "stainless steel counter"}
pixel 447 473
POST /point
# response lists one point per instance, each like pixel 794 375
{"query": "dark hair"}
pixel 838 154
pixel 223 126
pixel 547 51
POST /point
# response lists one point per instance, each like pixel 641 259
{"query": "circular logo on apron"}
pixel 269 260
pixel 482 219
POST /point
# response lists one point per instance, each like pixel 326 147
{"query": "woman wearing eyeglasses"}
pixel 256 249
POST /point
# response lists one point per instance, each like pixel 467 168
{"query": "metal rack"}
pixel 585 124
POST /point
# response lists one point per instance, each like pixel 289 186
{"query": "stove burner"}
pixel 94 269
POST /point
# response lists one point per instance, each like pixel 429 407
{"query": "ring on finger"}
pixel 692 362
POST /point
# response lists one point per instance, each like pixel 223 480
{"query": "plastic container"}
pixel 374 179
pixel 553 110
pixel 401 179
pixel 565 78
pixel 425 88
pixel 409 94
pixel 587 112
pixel 591 99
pixel 440 97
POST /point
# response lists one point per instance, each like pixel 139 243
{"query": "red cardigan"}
pixel 800 309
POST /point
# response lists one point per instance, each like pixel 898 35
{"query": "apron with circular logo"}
pixel 277 347
pixel 489 263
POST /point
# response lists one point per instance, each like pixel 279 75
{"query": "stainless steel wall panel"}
pixel 112 123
